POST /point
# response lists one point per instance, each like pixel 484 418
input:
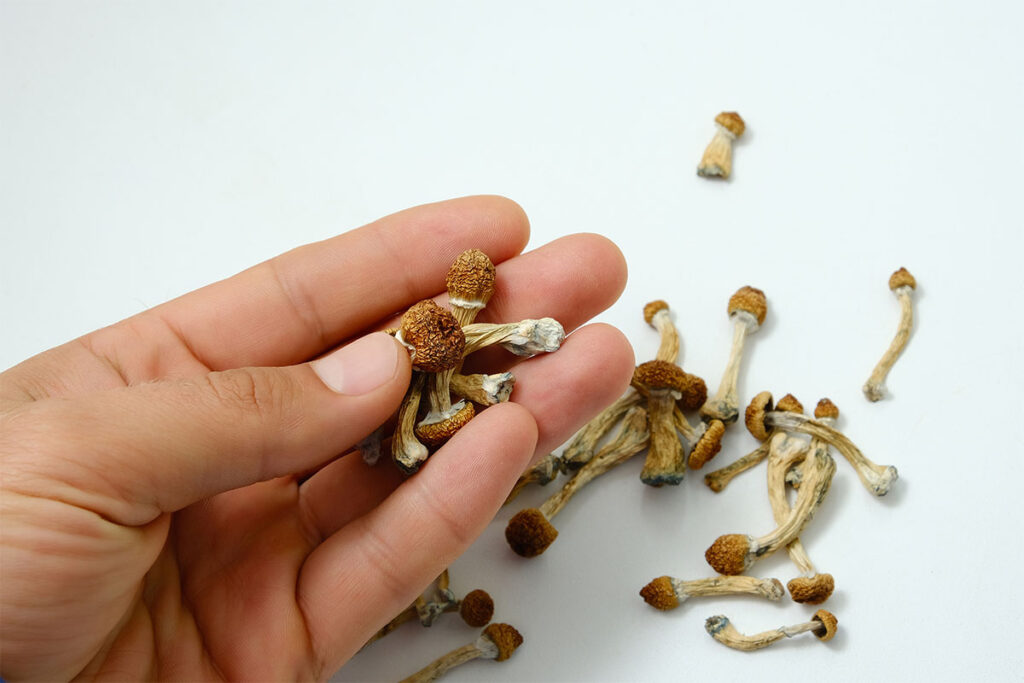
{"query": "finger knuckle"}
pixel 252 391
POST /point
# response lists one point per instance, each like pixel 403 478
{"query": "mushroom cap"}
pixel 529 533
pixel 751 300
pixel 755 414
pixel 506 637
pixel 435 434
pixel 811 590
pixel 660 374
pixel 659 594
pixel 902 278
pixel 732 122
pixel 708 445
pixel 477 608
pixel 829 624
pixel 435 335
pixel 826 408
pixel 728 554
pixel 652 308
pixel 789 404
pixel 471 277
pixel 694 392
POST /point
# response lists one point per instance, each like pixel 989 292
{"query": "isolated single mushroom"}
pixel 717 159
pixel 530 532
pixel 736 553
pixel 902 284
pixel 486 390
pixel 524 338
pixel 747 310
pixel 581 449
pixel 544 472
pixel 823 625
pixel 497 642
pixel 661 382
pixel 666 592
pixel 657 315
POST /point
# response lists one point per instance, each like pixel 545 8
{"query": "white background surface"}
pixel 148 149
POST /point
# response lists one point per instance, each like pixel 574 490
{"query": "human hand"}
pixel 173 504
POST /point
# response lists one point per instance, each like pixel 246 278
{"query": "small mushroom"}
pixel 902 284
pixel 823 625
pixel 708 446
pixel 661 382
pixel 470 283
pixel 530 532
pixel 666 592
pixel 497 642
pixel 736 553
pixel 542 473
pixel 717 160
pixel 657 315
pixel 524 338
pixel 406 449
pixel 747 310
pixel 581 449
pixel 485 390
pixel 476 610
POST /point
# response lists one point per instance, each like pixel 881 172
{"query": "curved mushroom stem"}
pixel 667 592
pixel 406 449
pixel 665 462
pixel 524 338
pixel 542 473
pixel 497 642
pixel 877 479
pixel 795 475
pixel 690 433
pixel 581 449
pixel 668 348
pixel 721 629
pixel 486 390
pixel 874 388
pixel 724 405
pixel 720 478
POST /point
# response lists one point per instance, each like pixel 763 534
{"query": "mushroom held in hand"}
pixel 747 310
pixel 823 625
pixel 902 284
pixel 717 159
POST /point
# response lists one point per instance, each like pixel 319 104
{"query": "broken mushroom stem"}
pixel 667 592
pixel 658 316
pixel 544 472
pixel 497 642
pixel 717 159
pixel 747 309
pixel 736 553
pixel 524 338
pixel 902 284
pixel 823 625
pixel 530 532
pixel 485 390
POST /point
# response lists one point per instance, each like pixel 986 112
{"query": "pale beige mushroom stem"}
pixel 720 478
pixel 902 284
pixel 486 390
pixel 667 592
pixel 581 449
pixel 823 625
pixel 717 159
pixel 524 338
pixel 658 316
pixel 406 449
pixel 747 309
pixel 497 642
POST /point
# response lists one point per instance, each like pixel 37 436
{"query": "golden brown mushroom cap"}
pixel 902 278
pixel 436 434
pixel 732 122
pixel 812 590
pixel 471 277
pixel 789 404
pixel 694 392
pixel 728 554
pixel 659 594
pixel 435 335
pixel 506 637
pixel 477 608
pixel 708 445
pixel 829 624
pixel 751 300
pixel 660 374
pixel 529 533
pixel 652 308
pixel 755 413
pixel 826 408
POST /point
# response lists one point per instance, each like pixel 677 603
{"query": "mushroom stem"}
pixel 657 315
pixel 542 473
pixel 581 449
pixel 720 478
pixel 524 338
pixel 717 159
pixel 497 642
pixel 667 592
pixel 736 553
pixel 665 463
pixel 406 449
pixel 877 479
pixel 724 405
pixel 874 388
pixel 486 390
pixel 690 433
pixel 822 625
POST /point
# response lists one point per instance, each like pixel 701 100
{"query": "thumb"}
pixel 140 451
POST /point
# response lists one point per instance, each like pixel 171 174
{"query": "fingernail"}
pixel 360 367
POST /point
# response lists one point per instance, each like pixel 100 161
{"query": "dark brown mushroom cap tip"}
pixel 660 374
pixel 728 554
pixel 902 278
pixel 694 392
pixel 826 408
pixel 471 277
pixel 529 533
pixel 435 334
pixel 438 433
pixel 732 122
pixel 829 624
pixel 708 446
pixel 506 637
pixel 789 404
pixel 652 308
pixel 751 300
pixel 659 594
pixel 754 415
pixel 477 608
pixel 812 590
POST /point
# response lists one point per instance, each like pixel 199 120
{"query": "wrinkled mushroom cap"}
pixel 477 608
pixel 506 637
pixel 436 434
pixel 789 404
pixel 732 122
pixel 826 408
pixel 751 300
pixel 435 335
pixel 728 554
pixel 652 308
pixel 694 392
pixel 529 533
pixel 660 374
pixel 829 624
pixel 471 277
pixel 708 445
pixel 755 414
pixel 902 278
pixel 659 594
pixel 811 590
